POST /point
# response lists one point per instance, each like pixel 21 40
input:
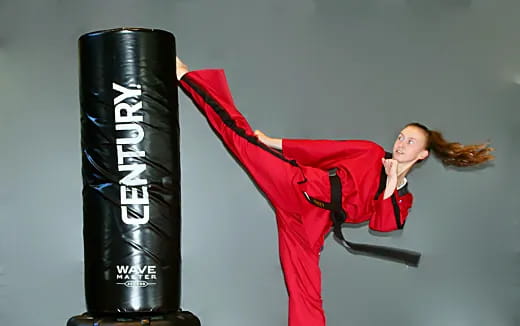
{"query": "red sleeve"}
pixel 324 153
pixel 391 213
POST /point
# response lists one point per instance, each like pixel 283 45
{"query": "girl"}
pixel 310 181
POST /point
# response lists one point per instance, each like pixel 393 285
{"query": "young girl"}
pixel 313 184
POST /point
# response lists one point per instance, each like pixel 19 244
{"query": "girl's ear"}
pixel 424 154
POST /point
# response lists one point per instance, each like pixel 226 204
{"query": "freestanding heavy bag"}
pixel 131 173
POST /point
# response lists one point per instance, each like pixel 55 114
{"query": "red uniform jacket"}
pixel 361 160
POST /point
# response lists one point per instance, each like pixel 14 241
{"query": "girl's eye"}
pixel 411 142
pixel 401 138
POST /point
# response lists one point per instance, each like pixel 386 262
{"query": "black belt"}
pixel 338 216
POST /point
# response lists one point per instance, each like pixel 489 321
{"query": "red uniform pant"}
pixel 301 226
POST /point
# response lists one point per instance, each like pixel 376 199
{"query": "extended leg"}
pixel 274 174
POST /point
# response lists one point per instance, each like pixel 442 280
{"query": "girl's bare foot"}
pixel 181 68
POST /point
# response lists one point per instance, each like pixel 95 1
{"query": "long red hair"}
pixel 455 154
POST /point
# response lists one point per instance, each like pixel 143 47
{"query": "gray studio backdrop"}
pixel 298 68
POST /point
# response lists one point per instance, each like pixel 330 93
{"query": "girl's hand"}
pixel 390 167
pixel 262 137
pixel 181 68
pixel 391 181
pixel 275 143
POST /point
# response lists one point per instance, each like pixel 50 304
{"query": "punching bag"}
pixel 131 173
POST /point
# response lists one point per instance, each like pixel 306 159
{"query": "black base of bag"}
pixel 181 318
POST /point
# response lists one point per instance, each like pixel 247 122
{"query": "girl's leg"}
pixel 273 173
pixel 300 263
pixel 301 226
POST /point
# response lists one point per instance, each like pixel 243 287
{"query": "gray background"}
pixel 298 68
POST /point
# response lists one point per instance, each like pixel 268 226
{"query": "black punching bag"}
pixel 131 174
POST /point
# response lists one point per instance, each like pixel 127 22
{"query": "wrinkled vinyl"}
pixel 131 171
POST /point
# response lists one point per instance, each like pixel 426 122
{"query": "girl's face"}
pixel 410 145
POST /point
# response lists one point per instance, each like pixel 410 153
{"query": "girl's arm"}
pixel 319 153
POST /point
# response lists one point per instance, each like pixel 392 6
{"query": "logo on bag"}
pixel 133 188
pixel 136 276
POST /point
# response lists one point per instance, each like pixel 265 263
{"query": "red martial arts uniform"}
pixel 285 178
